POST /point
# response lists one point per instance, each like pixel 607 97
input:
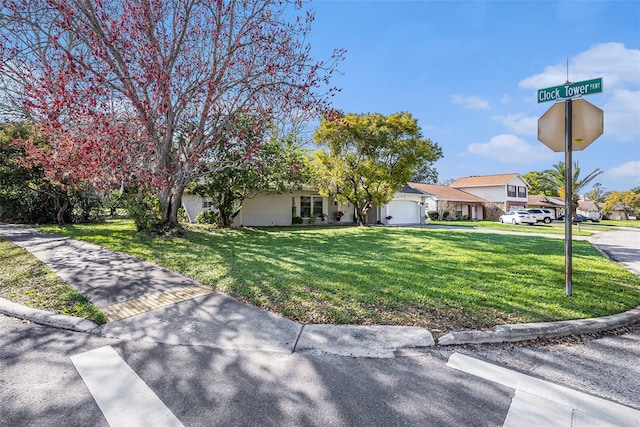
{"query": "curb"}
pixel 42 317
pixel 532 331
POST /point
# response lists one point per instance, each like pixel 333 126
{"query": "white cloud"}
pixel 617 65
pixel 471 102
pixel 505 99
pixel 622 115
pixel 627 171
pixel 519 123
pixel 511 149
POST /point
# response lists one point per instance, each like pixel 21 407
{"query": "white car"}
pixel 542 215
pixel 518 217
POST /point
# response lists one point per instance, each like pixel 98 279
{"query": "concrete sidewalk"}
pixel 146 302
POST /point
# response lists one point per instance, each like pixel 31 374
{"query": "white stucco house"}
pixel 278 209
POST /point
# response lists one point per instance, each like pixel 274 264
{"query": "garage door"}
pixel 404 212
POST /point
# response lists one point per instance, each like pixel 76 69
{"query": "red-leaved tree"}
pixel 147 92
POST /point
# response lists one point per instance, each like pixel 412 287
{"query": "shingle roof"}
pixel 477 181
pixel 444 192
pixel 544 201
pixel 589 205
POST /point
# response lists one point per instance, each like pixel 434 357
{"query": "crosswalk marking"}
pixel 584 409
pixel 123 398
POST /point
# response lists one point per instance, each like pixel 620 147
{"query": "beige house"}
pixel 556 204
pixel 505 192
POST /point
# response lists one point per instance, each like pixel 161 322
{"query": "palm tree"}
pixel 555 178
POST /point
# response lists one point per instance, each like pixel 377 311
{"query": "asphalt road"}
pixel 203 386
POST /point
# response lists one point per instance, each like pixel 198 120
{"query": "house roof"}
pixel 444 192
pixel 544 201
pixel 589 205
pixel 483 181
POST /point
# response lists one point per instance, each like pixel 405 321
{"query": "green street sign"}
pixel 572 90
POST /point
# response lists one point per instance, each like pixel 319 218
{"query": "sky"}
pixel 469 72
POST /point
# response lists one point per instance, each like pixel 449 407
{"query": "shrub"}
pixel 433 215
pixel 208 217
pixel 144 209
pixel 296 220
pixel 445 215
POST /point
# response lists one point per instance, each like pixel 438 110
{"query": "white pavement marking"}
pixel 123 398
pixel 584 409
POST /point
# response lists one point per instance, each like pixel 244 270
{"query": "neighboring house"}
pixel 505 191
pixel 460 204
pixel 556 204
pixel 618 212
pixel 589 208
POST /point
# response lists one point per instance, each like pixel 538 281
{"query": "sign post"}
pixel 583 123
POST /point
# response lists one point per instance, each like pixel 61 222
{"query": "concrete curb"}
pixel 362 341
pixel 532 331
pixel 47 318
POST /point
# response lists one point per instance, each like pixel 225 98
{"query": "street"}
pixel 203 386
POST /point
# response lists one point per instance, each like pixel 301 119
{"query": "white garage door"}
pixel 404 212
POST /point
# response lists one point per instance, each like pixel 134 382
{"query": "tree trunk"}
pixel 61 207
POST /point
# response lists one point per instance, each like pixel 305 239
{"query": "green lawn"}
pixel 381 275
pixel 555 227
pixel 26 280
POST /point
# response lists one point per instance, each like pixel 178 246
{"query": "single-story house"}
pixel 589 208
pixel 505 191
pixel 278 209
pixel 556 204
pixel 459 204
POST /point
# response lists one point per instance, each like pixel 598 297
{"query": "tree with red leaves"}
pixel 147 92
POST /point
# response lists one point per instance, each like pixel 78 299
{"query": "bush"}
pixel 445 215
pixel 144 209
pixel 208 217
pixel 433 215
pixel 296 220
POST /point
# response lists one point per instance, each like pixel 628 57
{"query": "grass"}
pixel 539 228
pixel 26 280
pixel 381 275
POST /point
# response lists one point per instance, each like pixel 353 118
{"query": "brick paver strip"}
pixel 133 307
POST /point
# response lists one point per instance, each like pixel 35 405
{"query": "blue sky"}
pixel 469 72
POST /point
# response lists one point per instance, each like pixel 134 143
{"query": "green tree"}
pixel 555 178
pixel 538 184
pixel 597 193
pixel 629 201
pixel 278 166
pixel 369 157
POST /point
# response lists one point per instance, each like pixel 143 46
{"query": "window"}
pixel 305 206
pixel 317 206
pixel 311 205
pixel 206 204
pixel 522 192
pixel 511 190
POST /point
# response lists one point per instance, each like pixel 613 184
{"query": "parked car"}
pixel 542 215
pixel 580 218
pixel 518 217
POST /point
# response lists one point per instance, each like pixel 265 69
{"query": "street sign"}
pixel 587 124
pixel 570 90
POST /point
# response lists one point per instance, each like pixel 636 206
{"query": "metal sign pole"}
pixel 568 192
